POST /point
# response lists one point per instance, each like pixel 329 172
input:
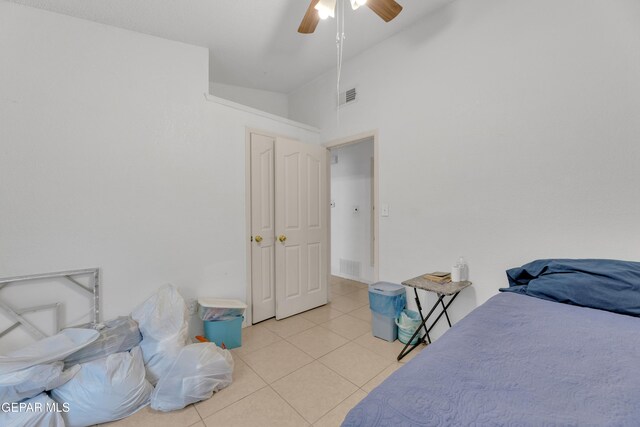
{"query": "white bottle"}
pixel 456 273
pixel 464 269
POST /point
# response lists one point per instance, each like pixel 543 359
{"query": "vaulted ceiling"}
pixel 252 43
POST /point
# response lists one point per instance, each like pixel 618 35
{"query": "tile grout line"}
pixel 338 373
pixel 198 412
pixel 341 402
pixel 370 351
pixel 332 370
pixel 337 348
pixel 237 401
pixel 278 379
pixel 287 402
pixel 338 333
pixel 317 360
pixel 251 352
pixel 233 403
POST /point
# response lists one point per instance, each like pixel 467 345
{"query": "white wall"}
pixel 508 131
pixel 271 102
pixel 120 164
pixel 351 180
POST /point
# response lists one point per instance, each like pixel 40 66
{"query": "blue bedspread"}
pixel 517 361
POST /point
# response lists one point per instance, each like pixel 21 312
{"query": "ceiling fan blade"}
pixel 310 20
pixel 385 9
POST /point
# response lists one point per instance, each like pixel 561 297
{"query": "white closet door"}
pixel 262 228
pixel 301 226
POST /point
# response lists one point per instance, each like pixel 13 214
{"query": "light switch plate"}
pixel 385 210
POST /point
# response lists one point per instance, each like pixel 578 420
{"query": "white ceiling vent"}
pixel 348 97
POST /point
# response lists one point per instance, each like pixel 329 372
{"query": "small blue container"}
pixel 228 332
pixel 407 326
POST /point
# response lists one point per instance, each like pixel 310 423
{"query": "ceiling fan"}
pixel 322 9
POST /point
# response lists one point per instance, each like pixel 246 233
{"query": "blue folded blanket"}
pixel 597 283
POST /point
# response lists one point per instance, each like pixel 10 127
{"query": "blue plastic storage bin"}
pixel 228 332
pixel 386 301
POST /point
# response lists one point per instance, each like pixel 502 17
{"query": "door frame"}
pixel 343 142
pixel 248 318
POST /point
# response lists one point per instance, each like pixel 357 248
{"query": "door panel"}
pixel 315 262
pixel 292 271
pixel 313 192
pixel 267 281
pixel 291 191
pixel 262 227
pixel 301 217
pixel 265 173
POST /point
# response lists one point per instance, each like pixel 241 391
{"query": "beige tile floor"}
pixel 309 369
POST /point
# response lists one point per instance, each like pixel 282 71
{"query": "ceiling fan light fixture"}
pixel 323 14
pixel 326 8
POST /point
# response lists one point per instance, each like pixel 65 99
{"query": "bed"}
pixel 517 360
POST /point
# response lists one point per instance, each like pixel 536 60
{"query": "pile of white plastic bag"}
pixel 163 322
pixel 183 374
pixel 198 371
pixel 117 335
pixel 105 389
pixel 82 377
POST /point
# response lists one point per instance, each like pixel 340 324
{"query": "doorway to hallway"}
pixel 353 219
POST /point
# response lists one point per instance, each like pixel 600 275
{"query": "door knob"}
pixel 282 238
pixel 258 239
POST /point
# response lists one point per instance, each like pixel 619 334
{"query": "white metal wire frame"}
pixel 16 314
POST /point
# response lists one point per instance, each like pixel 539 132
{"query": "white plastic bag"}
pixel 50 349
pixel 27 383
pixel 39 411
pixel 104 390
pixel 198 371
pixel 162 320
pixel 117 335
